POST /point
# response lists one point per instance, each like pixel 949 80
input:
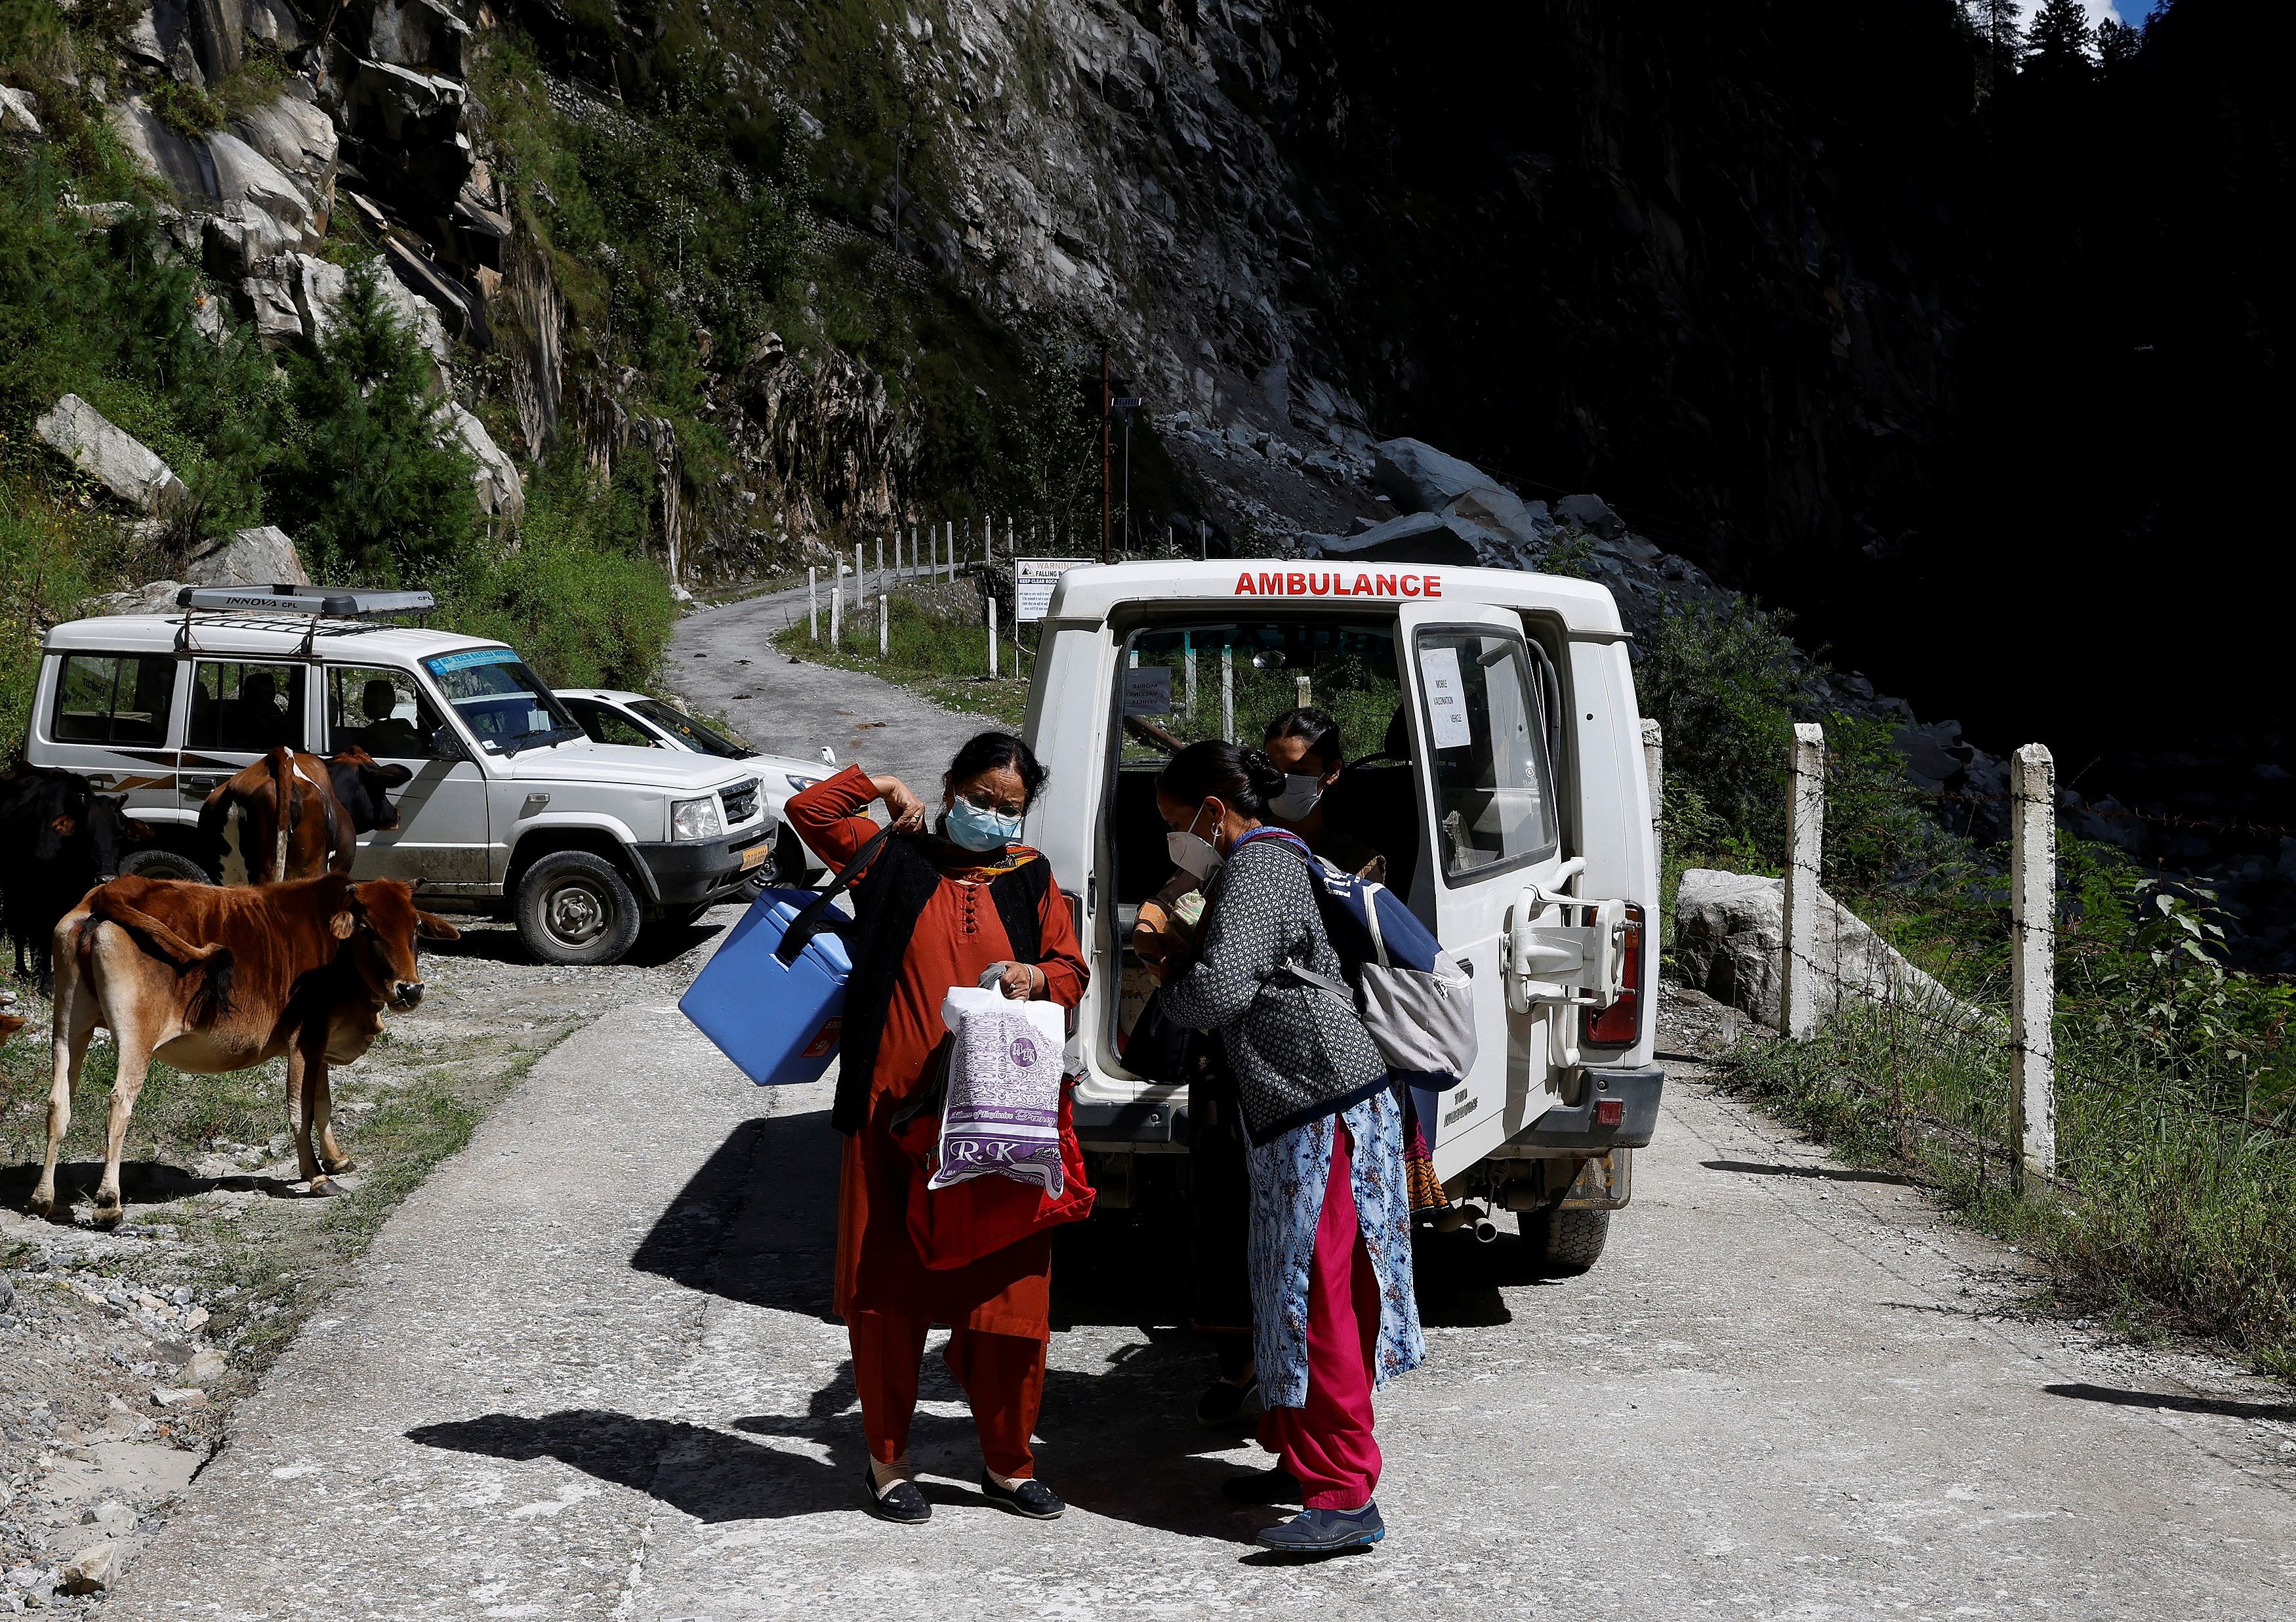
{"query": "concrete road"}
pixel 723 661
pixel 587 1372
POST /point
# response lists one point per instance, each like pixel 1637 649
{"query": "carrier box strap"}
pixel 815 918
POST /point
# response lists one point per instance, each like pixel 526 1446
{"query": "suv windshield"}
pixel 691 733
pixel 503 702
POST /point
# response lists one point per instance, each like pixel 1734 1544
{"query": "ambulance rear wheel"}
pixel 575 908
pixel 1566 1242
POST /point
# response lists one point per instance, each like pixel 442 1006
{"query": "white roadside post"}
pixel 880 564
pixel 812 602
pixel 1805 846
pixel 1189 663
pixel 2032 985
pixel 1303 689
pixel 885 620
pixel 992 633
pixel 836 603
pixel 1227 692
pixel 912 555
pixel 948 548
pixel 860 598
pixel 1655 769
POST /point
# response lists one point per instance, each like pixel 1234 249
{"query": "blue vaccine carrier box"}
pixel 779 1021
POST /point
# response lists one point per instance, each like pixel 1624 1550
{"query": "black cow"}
pixel 364 785
pixel 59 839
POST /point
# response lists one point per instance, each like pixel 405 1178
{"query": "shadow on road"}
pixel 656 945
pixel 707 1474
pixel 2231 1408
pixel 757 1223
pixel 141 1183
pixel 1827 1174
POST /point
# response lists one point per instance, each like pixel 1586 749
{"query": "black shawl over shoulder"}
pixel 887 903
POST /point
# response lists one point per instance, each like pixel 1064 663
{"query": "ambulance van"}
pixel 1495 759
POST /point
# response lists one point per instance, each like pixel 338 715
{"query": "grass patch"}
pixel 935 648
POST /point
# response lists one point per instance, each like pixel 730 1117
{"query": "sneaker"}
pixel 1224 1403
pixel 1031 1498
pixel 897 1501
pixel 1277 1486
pixel 1325 1531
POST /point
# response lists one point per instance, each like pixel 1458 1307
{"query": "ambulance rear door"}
pixel 1479 733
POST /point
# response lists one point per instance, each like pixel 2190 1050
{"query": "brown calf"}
pixel 211 980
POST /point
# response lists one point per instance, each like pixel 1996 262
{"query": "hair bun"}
pixel 1267 776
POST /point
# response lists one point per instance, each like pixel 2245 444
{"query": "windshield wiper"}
pixel 535 739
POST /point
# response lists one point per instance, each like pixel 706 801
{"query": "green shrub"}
pixel 1724 683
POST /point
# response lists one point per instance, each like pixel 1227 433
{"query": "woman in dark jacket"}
pixel 1329 1244
pixel 937 910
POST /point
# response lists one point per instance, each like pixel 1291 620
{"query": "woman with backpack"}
pixel 1328 1241
pixel 940 906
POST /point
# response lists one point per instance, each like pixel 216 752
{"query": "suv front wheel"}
pixel 574 908
pixel 164 861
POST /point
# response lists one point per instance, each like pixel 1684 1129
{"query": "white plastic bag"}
pixel 1003 1114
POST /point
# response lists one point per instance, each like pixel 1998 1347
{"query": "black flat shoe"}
pixel 1223 1403
pixel 1277 1486
pixel 1030 1498
pixel 901 1503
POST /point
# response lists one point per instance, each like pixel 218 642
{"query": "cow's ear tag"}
pixel 341 924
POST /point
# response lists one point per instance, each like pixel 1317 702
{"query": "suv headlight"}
pixel 695 818
pixel 799 782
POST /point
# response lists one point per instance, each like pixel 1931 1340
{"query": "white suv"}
pixel 512 809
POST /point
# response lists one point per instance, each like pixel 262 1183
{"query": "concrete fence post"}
pixel 812 602
pixel 912 555
pixel 992 633
pixel 860 598
pixel 1655 769
pixel 1227 691
pixel 2033 941
pixel 885 619
pixel 1805 848
pixel 881 563
pixel 837 603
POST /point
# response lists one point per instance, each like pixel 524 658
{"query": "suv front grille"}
pixel 741 803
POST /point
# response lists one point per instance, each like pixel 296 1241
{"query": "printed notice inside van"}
pixel 1447 698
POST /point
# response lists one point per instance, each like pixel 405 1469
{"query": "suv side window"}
pixel 607 725
pixel 380 710
pixel 1493 804
pixel 113 698
pixel 244 706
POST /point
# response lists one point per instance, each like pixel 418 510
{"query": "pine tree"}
pixel 2117 44
pixel 2000 40
pixel 2060 39
pixel 363 481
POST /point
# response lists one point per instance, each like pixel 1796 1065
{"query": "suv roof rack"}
pixel 333 601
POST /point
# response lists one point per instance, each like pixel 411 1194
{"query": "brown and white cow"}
pixel 213 979
pixel 299 815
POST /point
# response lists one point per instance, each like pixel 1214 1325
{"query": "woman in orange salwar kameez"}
pixel 936 909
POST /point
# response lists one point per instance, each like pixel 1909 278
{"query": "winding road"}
pixel 586 1372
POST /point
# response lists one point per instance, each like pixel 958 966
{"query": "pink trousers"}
pixel 1328 1443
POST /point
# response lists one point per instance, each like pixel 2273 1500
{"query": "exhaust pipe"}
pixel 1486 1229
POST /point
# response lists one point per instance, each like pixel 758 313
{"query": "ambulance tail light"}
pixel 1620 1024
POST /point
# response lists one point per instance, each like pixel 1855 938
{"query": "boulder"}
pixel 82 435
pixel 296 137
pixel 19 115
pixel 244 174
pixel 152 596
pixel 273 307
pixel 501 492
pixel 1591 513
pixel 1421 479
pixel 276 24
pixel 421 35
pixel 161 152
pixel 1730 937
pixel 1414 537
pixel 262 557
pixel 91 1570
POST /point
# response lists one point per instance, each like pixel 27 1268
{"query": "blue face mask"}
pixel 968 825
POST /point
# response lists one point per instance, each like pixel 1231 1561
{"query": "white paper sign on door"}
pixel 1448 725
pixel 1148 690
